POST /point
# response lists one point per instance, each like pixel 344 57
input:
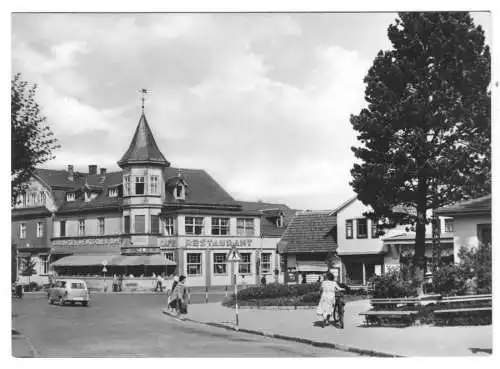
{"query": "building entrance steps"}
pixel 410 341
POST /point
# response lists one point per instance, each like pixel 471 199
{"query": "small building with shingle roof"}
pixel 309 246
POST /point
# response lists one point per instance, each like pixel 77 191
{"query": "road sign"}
pixel 104 270
pixel 104 263
pixel 233 255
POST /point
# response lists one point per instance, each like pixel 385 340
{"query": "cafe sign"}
pixel 217 243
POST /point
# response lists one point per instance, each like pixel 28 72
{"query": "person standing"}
pixel 120 282
pixel 171 301
pixel 181 297
pixel 327 301
pixel 159 283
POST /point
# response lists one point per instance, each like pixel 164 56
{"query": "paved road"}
pixel 133 326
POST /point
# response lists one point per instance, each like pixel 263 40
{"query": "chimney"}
pixel 103 171
pixel 92 170
pixel 70 172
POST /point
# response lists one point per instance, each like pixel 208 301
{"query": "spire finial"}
pixel 143 97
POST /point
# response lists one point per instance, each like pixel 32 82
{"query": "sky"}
pixel 260 101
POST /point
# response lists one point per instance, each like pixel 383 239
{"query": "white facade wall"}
pixel 466 232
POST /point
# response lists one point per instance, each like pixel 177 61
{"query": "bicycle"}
pixel 338 310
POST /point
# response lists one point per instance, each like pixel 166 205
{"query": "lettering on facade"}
pixel 168 242
pixel 92 242
pixel 213 243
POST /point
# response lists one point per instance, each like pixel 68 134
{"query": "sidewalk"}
pixel 411 341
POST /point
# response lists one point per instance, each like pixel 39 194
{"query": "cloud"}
pixel 258 100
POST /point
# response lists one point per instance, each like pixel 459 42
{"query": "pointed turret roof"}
pixel 143 148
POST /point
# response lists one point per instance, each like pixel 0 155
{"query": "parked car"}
pixel 69 290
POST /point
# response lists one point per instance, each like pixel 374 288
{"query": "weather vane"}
pixel 143 92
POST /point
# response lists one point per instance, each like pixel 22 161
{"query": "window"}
pixel 77 286
pixel 279 221
pixel 22 230
pixel 62 228
pixel 265 264
pixel 113 192
pixel 70 197
pixel 219 263
pixel 126 224
pixel 43 197
pixel 140 224
pixel 139 185
pixel 283 262
pixel 101 226
pixel 244 266
pixel 244 227
pixel 154 185
pixel 39 230
pixel 33 199
pixel 155 224
pixel 374 229
pixel 169 256
pixel 169 226
pixel 484 233
pixel 362 228
pixel 220 226
pixel 179 191
pixel 194 225
pixel 348 228
pixel 81 227
pixel 44 264
pixel 448 225
pixel 126 185
pixel 193 264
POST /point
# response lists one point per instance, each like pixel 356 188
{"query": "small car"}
pixel 69 291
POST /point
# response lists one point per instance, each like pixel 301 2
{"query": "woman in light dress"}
pixel 327 300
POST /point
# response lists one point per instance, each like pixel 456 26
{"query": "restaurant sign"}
pixel 217 242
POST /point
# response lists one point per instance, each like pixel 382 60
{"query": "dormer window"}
pixel 179 191
pixel 279 221
pixel 113 192
pixel 70 197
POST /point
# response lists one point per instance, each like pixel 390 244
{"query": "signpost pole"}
pixel 236 293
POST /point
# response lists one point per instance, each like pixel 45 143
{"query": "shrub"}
pixel 392 285
pixel 277 290
pixel 449 280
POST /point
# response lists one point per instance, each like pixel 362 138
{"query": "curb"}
pixel 306 341
pixel 29 344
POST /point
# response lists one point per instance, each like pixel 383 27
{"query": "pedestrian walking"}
pixel 171 298
pixel 180 297
pixel 326 304
pixel 159 283
pixel 263 280
pixel 120 282
pixel 115 283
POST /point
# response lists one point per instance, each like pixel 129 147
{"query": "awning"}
pixel 141 260
pixel 312 266
pixel 113 260
pixel 23 254
pixel 83 260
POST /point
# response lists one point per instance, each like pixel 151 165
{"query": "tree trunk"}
pixel 419 262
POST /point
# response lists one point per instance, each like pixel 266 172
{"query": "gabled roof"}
pixel 59 178
pixel 143 148
pixel 343 205
pixel 479 206
pixel 269 213
pixel 310 231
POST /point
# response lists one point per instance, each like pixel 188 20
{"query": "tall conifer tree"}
pixel 425 134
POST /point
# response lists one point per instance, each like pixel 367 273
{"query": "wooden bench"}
pixel 447 316
pixel 390 318
pixel 393 303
